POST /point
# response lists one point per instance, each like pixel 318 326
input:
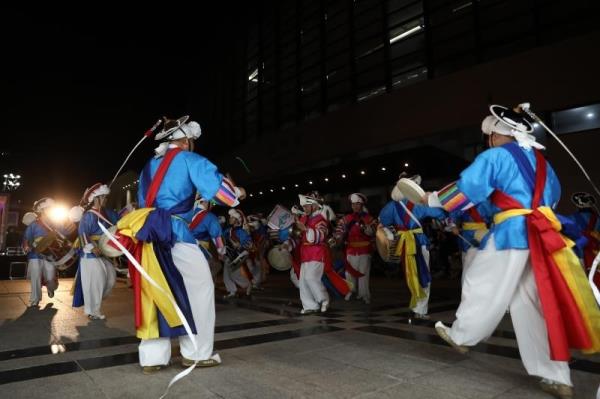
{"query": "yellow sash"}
pixel 408 244
pixel 152 298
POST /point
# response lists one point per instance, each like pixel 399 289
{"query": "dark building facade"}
pixel 315 90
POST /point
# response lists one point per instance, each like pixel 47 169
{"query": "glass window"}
pixel 576 119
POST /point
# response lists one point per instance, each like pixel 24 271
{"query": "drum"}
pixel 411 190
pixel 280 218
pixel 235 258
pixel 57 250
pixel 385 246
pixel 106 246
pixel 279 258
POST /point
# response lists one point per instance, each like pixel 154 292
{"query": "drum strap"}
pixel 198 218
pixel 101 216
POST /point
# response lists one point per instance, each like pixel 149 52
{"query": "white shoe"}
pixel 230 295
pixel 442 331
pixel 308 311
pixel 324 306
pixel 348 296
pixel 96 317
pixel 33 304
pixel 557 389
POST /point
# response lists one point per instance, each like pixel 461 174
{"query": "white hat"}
pixel 29 218
pixel 174 129
pixel 358 198
pixel 42 204
pixel 507 122
pixel 96 190
pixel 237 215
pixel 308 200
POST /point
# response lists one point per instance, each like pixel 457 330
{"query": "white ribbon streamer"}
pixel 412 216
pixel 526 107
pixel 591 278
pixel 141 270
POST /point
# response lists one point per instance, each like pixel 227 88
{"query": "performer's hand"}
pixel 242 193
pixel 425 198
pixel 301 226
pixel 96 251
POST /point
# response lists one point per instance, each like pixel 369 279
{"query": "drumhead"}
pixel 280 218
pixel 108 250
pixel 411 190
pixel 279 258
pixel 382 244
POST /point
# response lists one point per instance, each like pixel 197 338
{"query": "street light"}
pixel 11 182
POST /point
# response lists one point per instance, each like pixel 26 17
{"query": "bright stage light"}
pixel 58 213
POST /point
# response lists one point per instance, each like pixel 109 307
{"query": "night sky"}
pixel 80 86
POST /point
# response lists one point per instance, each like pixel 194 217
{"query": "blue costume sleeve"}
pixel 204 175
pixel 388 216
pixel 422 211
pixel 245 239
pixel 214 228
pixel 111 215
pixel 88 225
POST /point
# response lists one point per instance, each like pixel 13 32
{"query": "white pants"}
pixel 362 263
pixel 422 305
pixel 232 279
pixel 98 277
pixel 36 270
pixel 191 263
pixel 294 278
pixel 467 258
pixel 255 268
pixel 312 290
pixel 495 281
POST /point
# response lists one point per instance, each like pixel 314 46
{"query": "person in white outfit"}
pixel 40 269
pixel 98 275
pixel 313 247
pixel 511 270
pixel 356 231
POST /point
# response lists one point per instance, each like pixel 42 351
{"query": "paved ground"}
pixel 268 351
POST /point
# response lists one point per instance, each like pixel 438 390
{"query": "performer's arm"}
pixel 475 185
pixel 210 183
pixel 87 226
pixel 216 233
pixel 27 238
pixel 340 229
pixel 318 234
pixel 387 216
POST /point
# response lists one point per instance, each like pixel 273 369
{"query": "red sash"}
pixel 475 215
pixel 565 325
pixel 198 218
pixel 159 176
pixel 136 250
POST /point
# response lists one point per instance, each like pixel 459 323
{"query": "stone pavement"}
pixel 268 350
